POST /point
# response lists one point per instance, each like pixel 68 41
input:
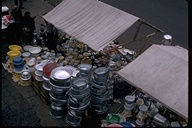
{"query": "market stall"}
pixel 162 72
pixel 87 50
pixel 90 21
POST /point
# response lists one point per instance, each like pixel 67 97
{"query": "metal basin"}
pixel 60 75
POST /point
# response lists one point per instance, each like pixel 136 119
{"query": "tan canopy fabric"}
pixel 90 21
pixel 162 72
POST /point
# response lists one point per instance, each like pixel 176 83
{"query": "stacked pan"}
pixel 99 90
pixel 60 83
pixel 79 100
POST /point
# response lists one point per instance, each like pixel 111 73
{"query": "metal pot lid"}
pixel 61 73
pixel 101 71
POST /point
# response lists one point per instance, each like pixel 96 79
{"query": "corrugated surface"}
pixel 90 21
pixel 162 72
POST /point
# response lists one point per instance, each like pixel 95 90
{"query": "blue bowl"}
pixel 126 124
pixel 17 60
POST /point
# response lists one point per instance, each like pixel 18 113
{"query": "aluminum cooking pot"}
pixel 80 94
pixel 73 103
pixel 101 72
pixel 65 86
pixel 80 83
pixel 60 75
pixel 85 68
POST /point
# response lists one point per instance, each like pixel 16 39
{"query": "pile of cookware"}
pixel 119 87
pixel 99 90
pixel 46 74
pixel 25 78
pixel 18 67
pixel 60 81
pixel 79 100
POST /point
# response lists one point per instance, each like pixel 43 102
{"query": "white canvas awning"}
pixel 90 21
pixel 162 72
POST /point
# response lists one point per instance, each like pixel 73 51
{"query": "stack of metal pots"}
pixel 99 90
pixel 60 81
pixel 79 100
pixel 119 87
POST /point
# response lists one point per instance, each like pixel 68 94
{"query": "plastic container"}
pixel 113 118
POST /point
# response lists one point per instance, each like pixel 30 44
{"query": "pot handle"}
pixel 73 99
pixel 67 93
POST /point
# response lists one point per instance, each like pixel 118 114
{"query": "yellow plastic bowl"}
pixel 15 47
pixel 13 54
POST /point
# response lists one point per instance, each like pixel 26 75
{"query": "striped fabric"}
pixel 90 21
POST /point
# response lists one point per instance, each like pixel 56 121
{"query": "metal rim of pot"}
pixel 101 82
pixel 76 105
pixel 80 83
pixel 85 68
pixel 46 86
pixel 55 100
pixel 80 94
pixel 63 85
pixel 71 122
pixel 59 83
pixel 61 74
pixel 77 112
pixel 101 72
pixel 97 91
pixel 59 89
pixel 81 99
pixel 99 98
pixel 103 85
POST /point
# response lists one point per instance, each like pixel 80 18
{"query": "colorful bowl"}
pixel 17 61
pixel 13 54
pixel 126 124
pixel 15 47
pixel 113 118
